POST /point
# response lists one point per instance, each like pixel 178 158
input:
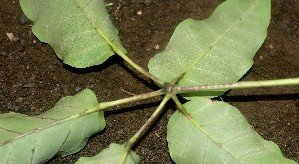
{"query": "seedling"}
pixel 203 59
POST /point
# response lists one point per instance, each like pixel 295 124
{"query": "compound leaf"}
pixel 111 155
pixel 63 130
pixel 215 132
pixel 72 28
pixel 216 50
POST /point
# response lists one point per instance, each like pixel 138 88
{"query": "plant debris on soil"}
pixel 33 79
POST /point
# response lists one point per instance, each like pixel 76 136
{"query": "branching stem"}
pixel 105 105
pixel 239 85
pixel 128 60
pixel 179 105
pixel 133 139
pixel 173 90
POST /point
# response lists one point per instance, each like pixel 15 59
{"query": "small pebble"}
pixel 157 47
pixel 22 19
pixel 15 39
pixel 12 37
pixel 77 89
pixel 139 12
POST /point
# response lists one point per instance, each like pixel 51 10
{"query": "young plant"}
pixel 203 59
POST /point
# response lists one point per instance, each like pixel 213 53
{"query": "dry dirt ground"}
pixel 32 79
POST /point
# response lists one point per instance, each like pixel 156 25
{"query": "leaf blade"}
pixel 216 132
pixel 35 139
pixel 70 27
pixel 111 155
pixel 216 50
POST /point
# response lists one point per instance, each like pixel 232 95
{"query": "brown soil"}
pixel 32 79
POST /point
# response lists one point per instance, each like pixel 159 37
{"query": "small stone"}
pixel 157 47
pixel 22 19
pixel 15 39
pixel 139 12
pixel 77 89
pixel 12 37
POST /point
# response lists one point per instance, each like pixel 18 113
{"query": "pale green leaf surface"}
pixel 69 26
pixel 216 50
pixel 59 131
pixel 217 133
pixel 111 155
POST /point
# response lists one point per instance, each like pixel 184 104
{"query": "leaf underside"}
pixel 70 27
pixel 216 132
pixel 111 155
pixel 216 50
pixel 59 131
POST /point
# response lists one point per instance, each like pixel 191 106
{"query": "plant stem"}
pixel 105 105
pixel 99 107
pixel 181 89
pixel 180 105
pixel 119 51
pixel 239 85
pixel 128 60
pixel 133 139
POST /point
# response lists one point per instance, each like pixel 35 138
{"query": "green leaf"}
pixel 215 132
pixel 111 155
pixel 216 50
pixel 71 28
pixel 63 130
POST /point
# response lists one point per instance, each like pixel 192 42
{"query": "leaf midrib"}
pixel 206 53
pixel 52 124
pixel 194 122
